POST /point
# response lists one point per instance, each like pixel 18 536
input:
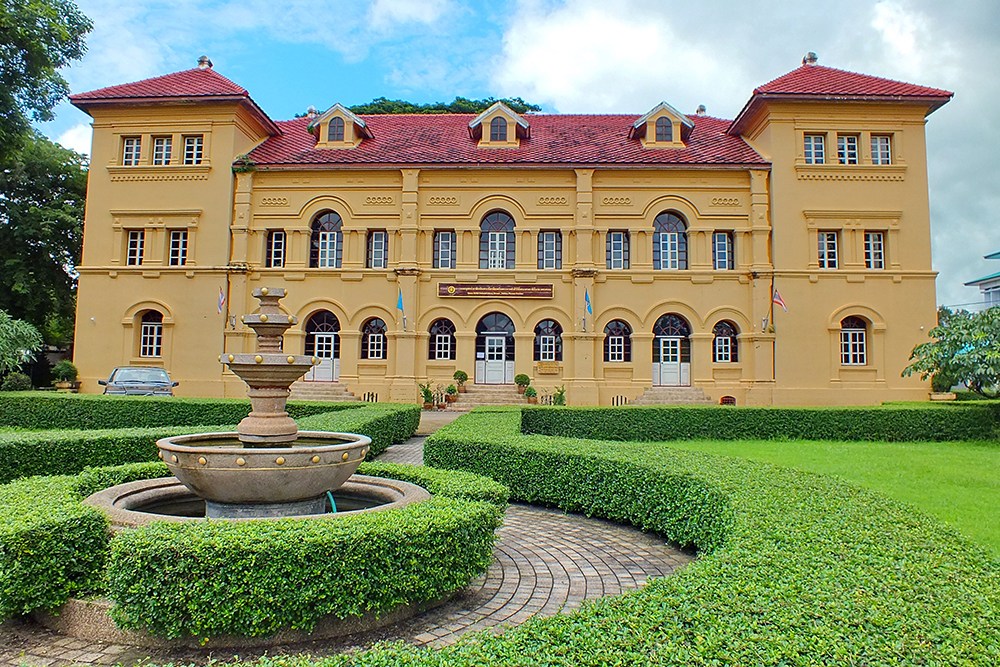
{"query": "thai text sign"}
pixel 504 290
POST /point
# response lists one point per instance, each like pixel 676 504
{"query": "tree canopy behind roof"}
pixel 383 105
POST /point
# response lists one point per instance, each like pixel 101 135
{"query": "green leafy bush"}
pixel 522 380
pixel 385 423
pixel 448 483
pixel 65 371
pixel 51 546
pixel 890 423
pixel 16 381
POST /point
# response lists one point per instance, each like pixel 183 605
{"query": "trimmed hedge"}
pixel 448 483
pixel 889 423
pixel 42 410
pixel 795 569
pixel 51 546
pixel 385 423
pixel 212 578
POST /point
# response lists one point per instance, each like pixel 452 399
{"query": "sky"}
pixel 585 56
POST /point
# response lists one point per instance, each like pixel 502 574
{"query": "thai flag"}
pixel 586 299
pixel 222 301
pixel 779 301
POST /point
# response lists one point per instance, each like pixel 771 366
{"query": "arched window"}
pixel 322 339
pixel 335 131
pixel 442 342
pixel 617 342
pixel 373 339
pixel 668 327
pixel 548 341
pixel 664 129
pixel 724 347
pixel 495 324
pixel 326 245
pixel 151 334
pixel 853 341
pixel 496 241
pixel 498 129
pixel 669 241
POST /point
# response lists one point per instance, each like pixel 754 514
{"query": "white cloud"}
pixel 911 47
pixel 389 12
pixel 77 138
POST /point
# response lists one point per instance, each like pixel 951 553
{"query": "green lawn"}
pixel 957 482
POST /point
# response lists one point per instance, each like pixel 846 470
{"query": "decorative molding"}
pixel 552 201
pixel 585 273
pixel 381 200
pixel 407 271
pixel 122 178
pixel 274 201
pixel 443 201
pixel 617 201
pixel 810 172
pixel 120 174
pixel 725 201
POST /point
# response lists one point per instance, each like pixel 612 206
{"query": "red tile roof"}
pixel 827 81
pixel 556 139
pixel 188 83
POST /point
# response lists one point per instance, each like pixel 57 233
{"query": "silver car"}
pixel 138 381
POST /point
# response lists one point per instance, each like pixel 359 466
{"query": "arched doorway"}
pixel 495 350
pixel 323 342
pixel 671 351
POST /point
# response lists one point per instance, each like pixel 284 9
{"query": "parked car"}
pixel 138 381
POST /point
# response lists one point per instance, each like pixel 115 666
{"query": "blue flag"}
pixel 586 298
pixel 399 302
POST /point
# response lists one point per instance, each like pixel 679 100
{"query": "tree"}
pixel 42 192
pixel 966 347
pixel 37 37
pixel 382 105
pixel 19 341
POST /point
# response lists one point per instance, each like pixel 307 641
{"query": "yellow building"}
pixel 611 254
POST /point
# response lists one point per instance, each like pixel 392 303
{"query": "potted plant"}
pixel 531 394
pixel 451 393
pixel 460 377
pixel 439 397
pixel 941 384
pixel 522 381
pixel 426 395
pixel 65 374
pixel 559 395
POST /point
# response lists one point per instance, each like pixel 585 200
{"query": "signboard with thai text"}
pixel 503 290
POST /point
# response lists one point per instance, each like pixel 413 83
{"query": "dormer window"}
pixel 338 127
pixel 498 129
pixel 662 127
pixel 506 127
pixel 335 129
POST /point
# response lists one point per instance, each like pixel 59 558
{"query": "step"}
pixel 673 396
pixel 332 392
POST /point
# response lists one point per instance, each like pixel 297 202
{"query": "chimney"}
pixel 204 63
pixel 810 58
pixel 701 110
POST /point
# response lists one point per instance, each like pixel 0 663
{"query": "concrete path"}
pixel 546 562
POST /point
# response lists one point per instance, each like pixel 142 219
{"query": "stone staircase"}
pixel 327 392
pixel 487 394
pixel 673 396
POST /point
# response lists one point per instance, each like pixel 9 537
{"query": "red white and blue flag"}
pixel 779 301
pixel 222 301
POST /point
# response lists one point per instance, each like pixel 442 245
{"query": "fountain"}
pixel 267 468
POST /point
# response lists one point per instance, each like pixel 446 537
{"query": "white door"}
pixel 328 368
pixel 496 354
pixel 672 373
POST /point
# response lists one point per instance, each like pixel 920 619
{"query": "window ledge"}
pixel 850 172
pixel 120 173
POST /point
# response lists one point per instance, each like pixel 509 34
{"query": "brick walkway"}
pixel 546 562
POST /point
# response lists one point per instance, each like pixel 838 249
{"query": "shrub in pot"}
pixel 460 377
pixel 522 381
pixel 426 395
pixel 531 394
pixel 451 393
pixel 65 374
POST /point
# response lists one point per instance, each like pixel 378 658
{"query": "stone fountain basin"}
pixel 220 469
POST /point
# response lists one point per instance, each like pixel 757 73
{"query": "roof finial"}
pixel 810 58
pixel 311 112
pixel 204 63
pixel 701 110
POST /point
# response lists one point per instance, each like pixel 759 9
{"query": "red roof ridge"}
pixel 195 82
pixel 796 78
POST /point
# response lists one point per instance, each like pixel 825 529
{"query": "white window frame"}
pixel 721 251
pixel 275 250
pixel 616 349
pixel 194 149
pixel 378 258
pixel 549 258
pixel 881 149
pixel 497 244
pixel 723 349
pixel 618 250
pixel 131 151
pixel 442 347
pixel 875 251
pixel 151 339
pixel 136 247
pixel 847 148
pixel 853 347
pixel 814 148
pixel 162 150
pixel 827 250
pixel 327 256
pixel 669 251
pixel 547 348
pixel 446 250
pixel 376 346
pixel 178 247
